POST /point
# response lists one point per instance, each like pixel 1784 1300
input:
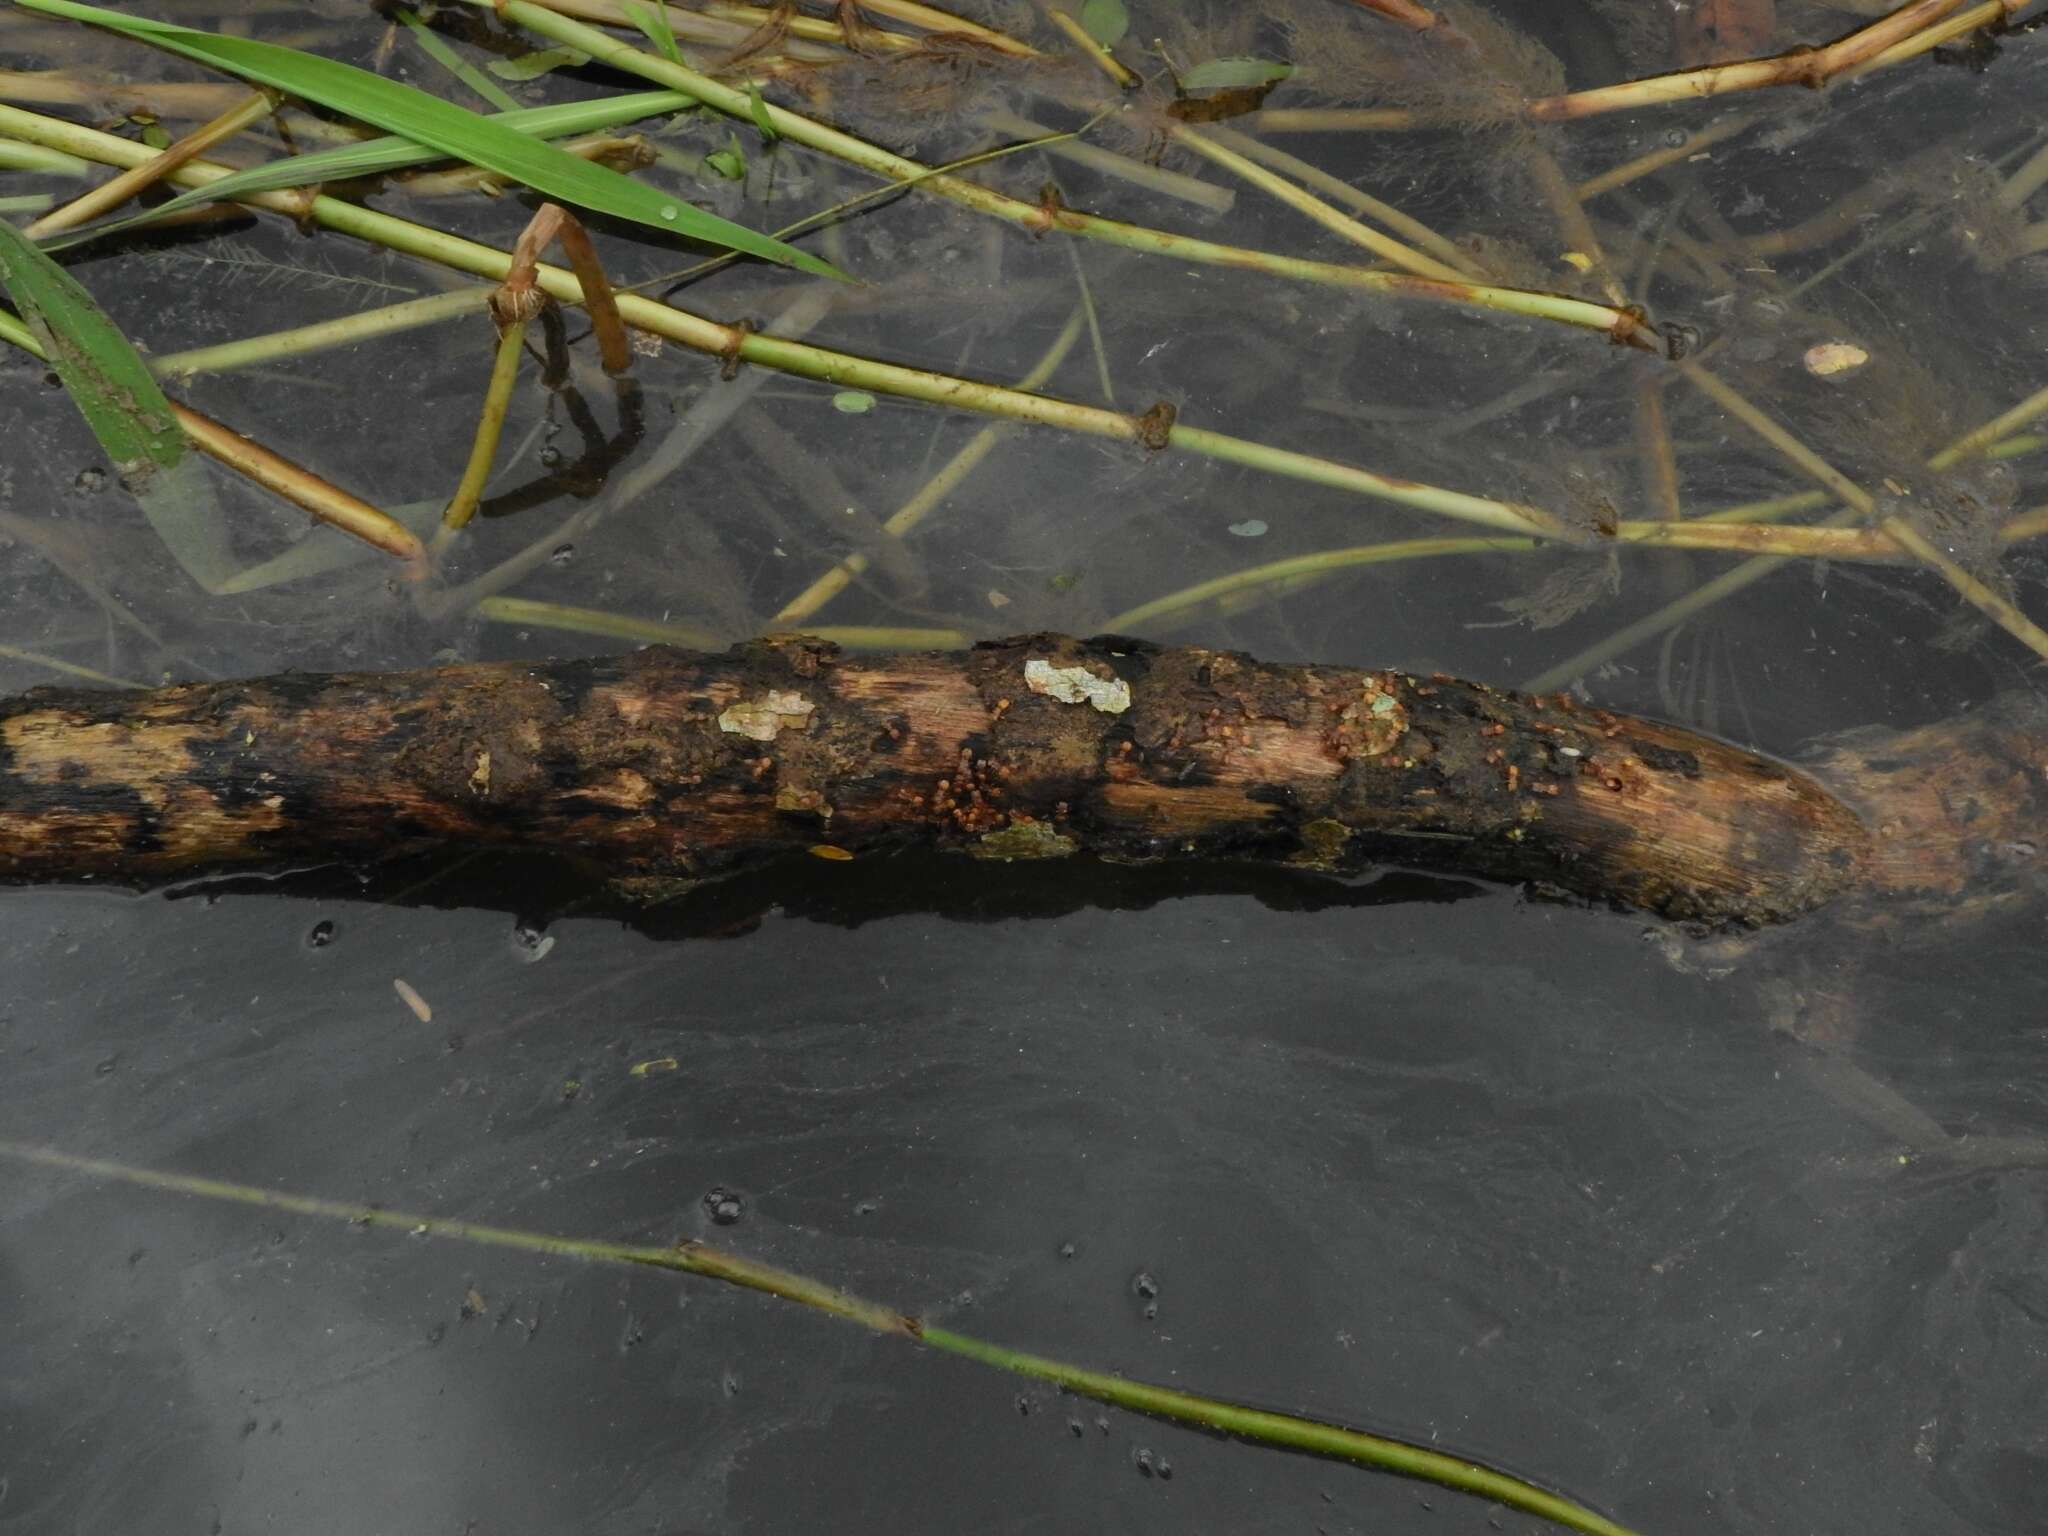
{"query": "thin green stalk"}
pixel 1247 168
pixel 1095 342
pixel 67 668
pixel 735 103
pixel 324 335
pixel 1256 1425
pixel 1151 617
pixel 1420 234
pixel 594 621
pixel 490 426
pixel 1107 162
pixel 1263 1427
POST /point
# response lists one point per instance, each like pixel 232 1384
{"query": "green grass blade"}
pixel 428 120
pixel 119 399
pixel 107 378
pixel 375 157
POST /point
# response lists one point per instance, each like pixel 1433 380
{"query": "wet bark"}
pixel 666 765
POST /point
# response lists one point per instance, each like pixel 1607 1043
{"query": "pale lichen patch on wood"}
pixel 1077 685
pixel 765 718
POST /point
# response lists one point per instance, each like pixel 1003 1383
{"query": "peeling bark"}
pixel 666 765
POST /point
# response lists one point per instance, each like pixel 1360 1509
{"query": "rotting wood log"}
pixel 665 765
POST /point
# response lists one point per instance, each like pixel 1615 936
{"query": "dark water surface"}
pixel 1533 1183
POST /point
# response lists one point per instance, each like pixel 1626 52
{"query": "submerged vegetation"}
pixel 906 326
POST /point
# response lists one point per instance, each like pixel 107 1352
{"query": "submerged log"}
pixel 666 765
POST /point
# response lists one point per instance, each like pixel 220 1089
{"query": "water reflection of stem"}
pixel 1993 604
pixel 1688 145
pixel 1037 218
pixel 1254 1425
pixel 808 602
pixel 323 499
pixel 1979 440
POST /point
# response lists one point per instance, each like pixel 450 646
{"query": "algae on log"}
pixel 667 764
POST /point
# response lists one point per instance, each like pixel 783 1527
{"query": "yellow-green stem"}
pixel 490 426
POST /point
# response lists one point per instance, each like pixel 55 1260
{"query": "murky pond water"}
pixel 1543 1185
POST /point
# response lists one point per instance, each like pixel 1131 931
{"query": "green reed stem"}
pixel 1259 1426
pixel 838 369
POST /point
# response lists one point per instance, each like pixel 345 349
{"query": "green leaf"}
pixel 374 157
pixel 531 66
pixel 119 399
pixel 653 21
pixel 1233 74
pixel 855 402
pixel 758 110
pixel 400 109
pixel 730 162
pixel 1106 21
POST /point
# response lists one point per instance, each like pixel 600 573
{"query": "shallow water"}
pixel 1424 1157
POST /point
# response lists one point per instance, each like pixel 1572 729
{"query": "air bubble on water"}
pixel 563 554
pixel 1143 1460
pixel 550 456
pixel 320 935
pixel 1023 1406
pixel 1076 1428
pixel 723 1206
pixel 1144 1286
pixel 531 942
pixel 1676 137
pixel 1068 1250
pixel 90 482
pixel 729 1382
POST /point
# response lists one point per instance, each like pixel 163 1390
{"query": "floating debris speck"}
pixel 1834 359
pixel 412 1000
